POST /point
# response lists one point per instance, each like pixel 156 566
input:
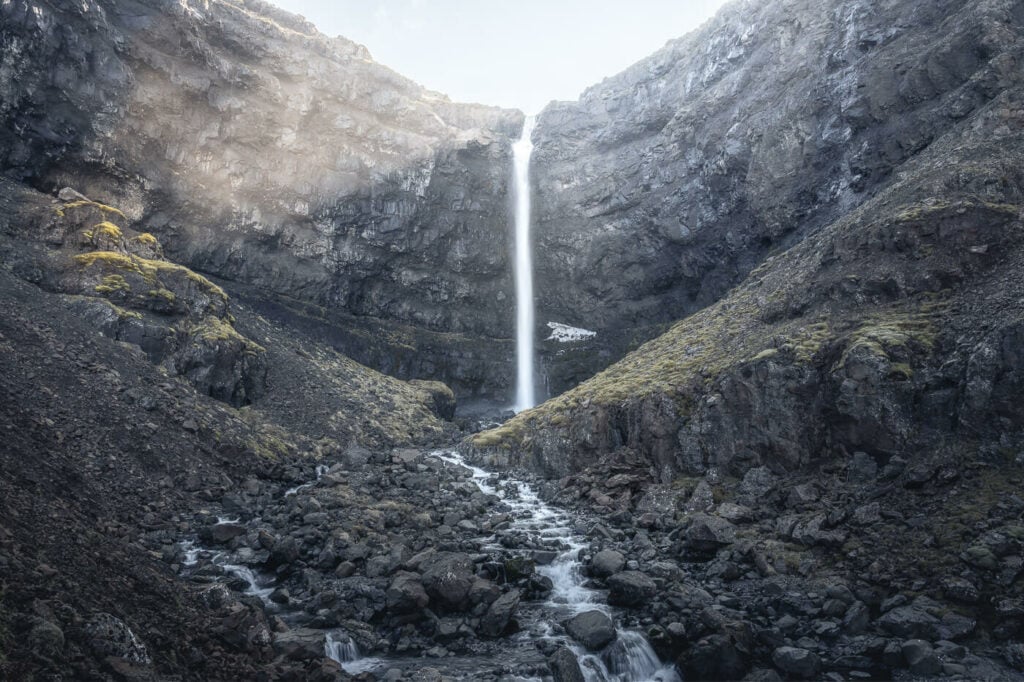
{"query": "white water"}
pixel 630 657
pixel 343 650
pixel 321 469
pixel 245 573
pixel 521 151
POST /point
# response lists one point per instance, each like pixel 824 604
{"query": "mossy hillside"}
pixel 315 388
pixel 894 335
pixel 148 281
pixel 214 330
pixel 163 295
pixel 105 235
pixel 186 320
pixel 150 270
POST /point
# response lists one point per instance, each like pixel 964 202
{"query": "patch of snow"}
pixel 563 333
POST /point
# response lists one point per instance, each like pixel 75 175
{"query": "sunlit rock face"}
pixel 261 151
pixel 663 186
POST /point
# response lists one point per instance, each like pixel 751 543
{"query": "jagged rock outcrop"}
pixel 665 185
pixel 118 279
pixel 258 150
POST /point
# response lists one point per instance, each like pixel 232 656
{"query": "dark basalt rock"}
pixel 663 186
pixel 797 662
pixel 496 620
pixel 447 578
pixel 630 588
pixel 406 593
pixel 593 629
pixel 564 666
pixel 606 563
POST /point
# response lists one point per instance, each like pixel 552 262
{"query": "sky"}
pixel 513 53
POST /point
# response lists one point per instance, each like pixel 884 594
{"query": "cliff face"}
pixel 889 326
pixel 665 185
pixel 260 151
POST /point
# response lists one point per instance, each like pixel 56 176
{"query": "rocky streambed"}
pixel 413 564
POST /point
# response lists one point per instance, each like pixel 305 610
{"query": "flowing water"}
pixel 342 649
pixel 630 657
pixel 521 151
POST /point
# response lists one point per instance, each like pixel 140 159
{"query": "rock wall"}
pixel 664 185
pixel 258 150
pixel 892 330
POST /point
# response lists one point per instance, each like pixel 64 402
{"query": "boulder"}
pixel 111 636
pixel 756 485
pixel 630 588
pixel 607 562
pixel 303 644
pixel 910 622
pixel 593 629
pixel 706 534
pixel 564 666
pixel 714 657
pixel 702 499
pixel 499 613
pixel 447 578
pixel 224 532
pixel 862 468
pixel 803 495
pixel 796 661
pixel 406 594
pixel 921 658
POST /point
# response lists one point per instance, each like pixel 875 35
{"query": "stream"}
pixel 535 524
pixel 629 658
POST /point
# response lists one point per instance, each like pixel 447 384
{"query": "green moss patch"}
pixel 112 284
pixel 91 204
pixel 162 294
pixel 149 269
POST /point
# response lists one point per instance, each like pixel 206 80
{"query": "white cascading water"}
pixel 342 649
pixel 521 151
pixel 630 657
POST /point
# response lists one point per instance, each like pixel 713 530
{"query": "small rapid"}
pixel 342 649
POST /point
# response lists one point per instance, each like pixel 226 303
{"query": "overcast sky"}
pixel 514 53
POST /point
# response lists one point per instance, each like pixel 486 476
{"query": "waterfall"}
pixel 342 649
pixel 521 151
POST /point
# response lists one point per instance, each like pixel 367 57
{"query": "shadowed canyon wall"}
pixel 265 153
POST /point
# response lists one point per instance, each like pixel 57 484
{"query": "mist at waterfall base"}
pixel 521 151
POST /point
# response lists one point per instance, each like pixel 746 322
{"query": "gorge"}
pixel 756 302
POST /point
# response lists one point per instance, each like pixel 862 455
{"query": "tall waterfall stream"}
pixel 521 151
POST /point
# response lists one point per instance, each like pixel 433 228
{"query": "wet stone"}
pixel 797 662
pixel 593 629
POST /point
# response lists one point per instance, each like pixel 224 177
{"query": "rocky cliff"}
pixel 665 185
pixel 260 151
pixel 873 320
